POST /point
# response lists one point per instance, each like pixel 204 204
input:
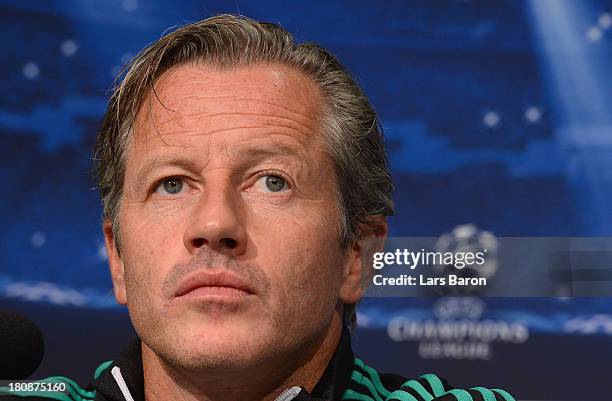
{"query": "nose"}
pixel 216 223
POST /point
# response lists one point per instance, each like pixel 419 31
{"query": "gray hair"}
pixel 351 131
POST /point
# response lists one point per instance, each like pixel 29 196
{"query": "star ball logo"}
pixel 459 262
pixel 467 239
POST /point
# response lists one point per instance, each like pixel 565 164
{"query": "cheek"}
pixel 138 275
pixel 139 287
pixel 304 260
pixel 145 261
pixel 151 236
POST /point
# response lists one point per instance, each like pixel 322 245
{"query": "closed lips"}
pixel 205 279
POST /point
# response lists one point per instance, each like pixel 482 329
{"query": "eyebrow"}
pixel 246 155
pixel 158 162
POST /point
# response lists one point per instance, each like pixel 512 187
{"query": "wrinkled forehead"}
pixel 198 94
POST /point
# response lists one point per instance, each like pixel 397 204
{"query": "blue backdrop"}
pixel 496 114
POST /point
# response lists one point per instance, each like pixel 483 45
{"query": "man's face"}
pixel 230 252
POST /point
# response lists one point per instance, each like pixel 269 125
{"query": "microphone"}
pixel 21 346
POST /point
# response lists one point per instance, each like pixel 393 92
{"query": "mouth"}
pixel 217 285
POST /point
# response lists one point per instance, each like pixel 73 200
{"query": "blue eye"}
pixel 271 183
pixel 275 183
pixel 171 186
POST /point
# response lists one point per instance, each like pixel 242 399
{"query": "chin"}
pixel 221 345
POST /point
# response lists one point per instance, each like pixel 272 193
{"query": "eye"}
pixel 271 183
pixel 172 186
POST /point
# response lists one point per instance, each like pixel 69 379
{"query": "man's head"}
pixel 234 161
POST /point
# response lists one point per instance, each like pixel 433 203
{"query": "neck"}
pixel 264 383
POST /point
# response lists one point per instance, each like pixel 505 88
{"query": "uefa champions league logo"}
pixel 467 238
pixel 458 330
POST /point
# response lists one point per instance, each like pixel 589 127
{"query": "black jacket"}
pixel 345 378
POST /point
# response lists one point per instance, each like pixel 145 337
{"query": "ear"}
pixel 359 260
pixel 116 263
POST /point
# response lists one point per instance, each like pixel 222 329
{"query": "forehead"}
pixel 199 99
pixel 276 80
